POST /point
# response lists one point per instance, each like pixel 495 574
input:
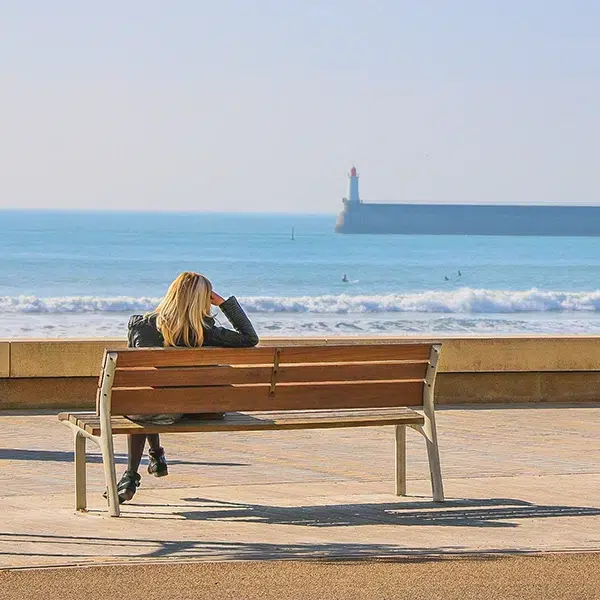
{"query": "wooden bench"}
pixel 263 388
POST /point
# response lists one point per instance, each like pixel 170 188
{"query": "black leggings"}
pixel 135 448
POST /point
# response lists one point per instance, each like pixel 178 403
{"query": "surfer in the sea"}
pixel 345 278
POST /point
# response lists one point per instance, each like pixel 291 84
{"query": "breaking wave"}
pixel 75 304
pixel 461 301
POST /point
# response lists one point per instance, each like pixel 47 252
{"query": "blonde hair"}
pixel 181 314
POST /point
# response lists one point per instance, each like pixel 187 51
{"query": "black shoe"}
pixel 158 463
pixel 127 487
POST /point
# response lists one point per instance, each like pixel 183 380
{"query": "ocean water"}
pixel 74 274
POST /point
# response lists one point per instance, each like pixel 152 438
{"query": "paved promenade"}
pixel 517 479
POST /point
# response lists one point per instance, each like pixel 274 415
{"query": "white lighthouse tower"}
pixel 353 197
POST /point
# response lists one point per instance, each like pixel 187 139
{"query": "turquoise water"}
pixel 71 274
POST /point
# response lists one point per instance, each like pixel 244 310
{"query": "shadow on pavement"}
pixel 84 549
pixel 495 512
pixel 60 456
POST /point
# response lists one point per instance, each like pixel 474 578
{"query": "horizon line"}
pixel 162 211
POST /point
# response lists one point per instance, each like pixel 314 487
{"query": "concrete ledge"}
pixel 451 389
pixel 4 359
pixel 561 387
pixel 48 392
pixel 484 388
pixel 57 358
pixel 520 354
pixel 82 358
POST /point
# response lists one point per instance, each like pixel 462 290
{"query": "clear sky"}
pixel 263 105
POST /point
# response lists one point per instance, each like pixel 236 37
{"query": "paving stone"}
pixel 516 479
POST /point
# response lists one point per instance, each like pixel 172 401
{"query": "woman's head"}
pixel 182 312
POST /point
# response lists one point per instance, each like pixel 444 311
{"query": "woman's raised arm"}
pixel 244 335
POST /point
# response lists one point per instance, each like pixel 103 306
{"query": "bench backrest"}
pixel 196 380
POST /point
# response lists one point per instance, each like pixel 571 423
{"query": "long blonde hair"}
pixel 181 314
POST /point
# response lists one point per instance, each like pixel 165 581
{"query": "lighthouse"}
pixel 353 197
pixel 351 216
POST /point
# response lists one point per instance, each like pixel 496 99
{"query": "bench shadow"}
pixel 61 456
pixel 495 512
pixel 78 548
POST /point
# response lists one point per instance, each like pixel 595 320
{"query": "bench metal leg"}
pixel 110 474
pixel 400 460
pixel 435 468
pixel 80 472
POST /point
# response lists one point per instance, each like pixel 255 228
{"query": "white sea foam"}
pixel 460 301
pixel 103 325
pixel 76 304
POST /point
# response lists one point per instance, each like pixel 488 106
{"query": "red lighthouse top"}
pixel 353 171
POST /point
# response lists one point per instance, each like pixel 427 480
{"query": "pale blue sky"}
pixel 234 105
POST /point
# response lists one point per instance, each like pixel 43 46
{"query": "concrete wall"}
pixel 4 359
pixel 64 373
pixel 58 358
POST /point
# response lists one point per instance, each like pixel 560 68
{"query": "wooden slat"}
pixel 349 395
pixel 224 375
pixel 143 401
pixel 172 357
pixel 259 421
pixel 352 371
pixel 256 397
pixel 188 357
pixel 354 353
pixel 191 376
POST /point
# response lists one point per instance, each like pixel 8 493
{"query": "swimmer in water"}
pixel 446 278
pixel 344 278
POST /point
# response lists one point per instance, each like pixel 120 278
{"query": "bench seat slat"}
pixel 258 421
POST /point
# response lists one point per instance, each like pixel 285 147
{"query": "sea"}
pixel 82 274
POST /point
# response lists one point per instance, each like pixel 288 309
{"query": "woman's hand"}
pixel 215 299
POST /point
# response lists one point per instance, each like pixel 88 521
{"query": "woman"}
pixel 183 318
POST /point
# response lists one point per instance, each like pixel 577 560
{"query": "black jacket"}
pixel 143 332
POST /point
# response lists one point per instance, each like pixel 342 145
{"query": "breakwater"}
pixel 468 219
